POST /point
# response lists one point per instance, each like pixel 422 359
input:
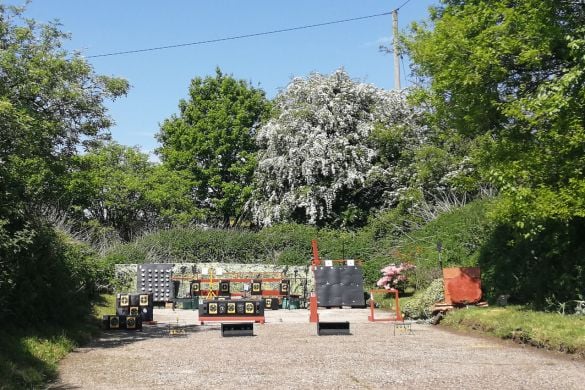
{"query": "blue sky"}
pixel 159 79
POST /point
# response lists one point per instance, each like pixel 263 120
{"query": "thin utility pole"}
pixel 396 54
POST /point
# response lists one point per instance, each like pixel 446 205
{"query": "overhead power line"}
pixel 402 5
pixel 235 37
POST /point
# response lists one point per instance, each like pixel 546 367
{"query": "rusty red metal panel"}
pixel 462 285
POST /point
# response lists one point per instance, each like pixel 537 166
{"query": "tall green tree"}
pixel 51 104
pixel 117 187
pixel 511 76
pixel 212 138
pixel 512 73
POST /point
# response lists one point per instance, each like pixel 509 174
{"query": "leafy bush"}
pixel 280 244
pixel 419 306
pixel 29 357
pixel 53 279
pixel 534 269
pixel 462 233
pixel 380 243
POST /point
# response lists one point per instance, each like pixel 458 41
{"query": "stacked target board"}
pixel 225 309
pixel 217 310
pixel 131 311
pixel 135 305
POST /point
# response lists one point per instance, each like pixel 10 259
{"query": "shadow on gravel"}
pixel 117 338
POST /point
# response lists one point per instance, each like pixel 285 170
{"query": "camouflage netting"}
pixel 126 275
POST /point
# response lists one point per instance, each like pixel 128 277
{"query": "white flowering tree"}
pixel 318 161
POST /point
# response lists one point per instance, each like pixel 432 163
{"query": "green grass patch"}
pixel 29 357
pixel 551 331
pixel 106 305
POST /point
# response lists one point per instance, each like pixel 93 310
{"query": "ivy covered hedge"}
pixel 460 231
pixel 281 244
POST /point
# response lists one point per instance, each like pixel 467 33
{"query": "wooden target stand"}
pixel 398 315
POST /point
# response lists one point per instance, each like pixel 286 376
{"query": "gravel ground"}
pixel 287 353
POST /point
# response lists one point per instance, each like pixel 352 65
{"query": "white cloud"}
pixel 380 41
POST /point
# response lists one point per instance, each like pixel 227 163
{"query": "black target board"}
pixel 156 279
pixel 256 287
pixel 285 287
pixel 141 305
pixel 270 303
pixel 121 322
pixel 231 308
pixel 224 288
pixel 339 286
pixel 195 288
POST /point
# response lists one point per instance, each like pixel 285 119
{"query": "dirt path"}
pixel 287 353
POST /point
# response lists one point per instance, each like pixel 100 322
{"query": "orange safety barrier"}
pixel 316 260
pixel 314 314
pixel 398 314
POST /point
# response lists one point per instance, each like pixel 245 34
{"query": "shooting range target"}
pixel 134 311
pixel 284 287
pixel 124 300
pixel 195 288
pixel 257 287
pixel 224 288
pixel 131 322
pixel 231 308
pixel 249 308
pixel 156 279
pixel 212 308
pixel 114 322
pixel 144 300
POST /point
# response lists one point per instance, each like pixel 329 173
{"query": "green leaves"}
pixel 512 75
pixel 119 188
pixel 212 139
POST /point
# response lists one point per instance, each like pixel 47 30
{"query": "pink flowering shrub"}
pixel 395 276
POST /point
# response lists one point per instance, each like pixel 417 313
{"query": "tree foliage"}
pixel 116 186
pixel 212 138
pixel 51 103
pixel 511 74
pixel 318 159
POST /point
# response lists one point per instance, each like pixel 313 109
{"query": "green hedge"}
pixel 378 244
pixel 281 244
pixel 542 269
pixel 51 279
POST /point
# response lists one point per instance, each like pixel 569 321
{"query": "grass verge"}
pixel 551 331
pixel 29 357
